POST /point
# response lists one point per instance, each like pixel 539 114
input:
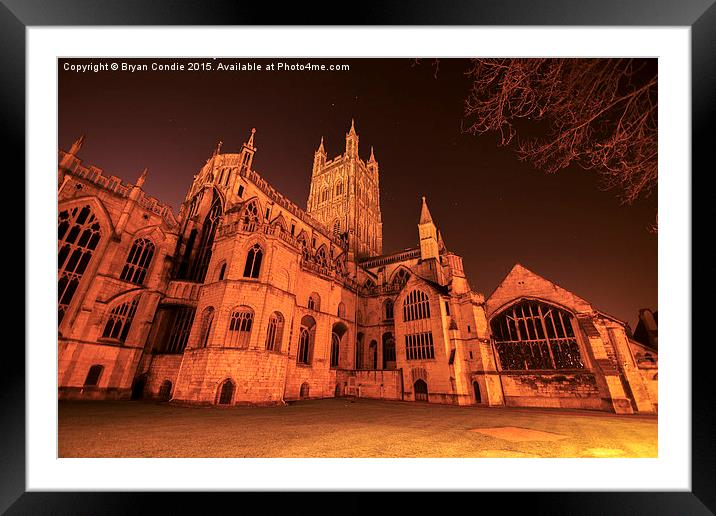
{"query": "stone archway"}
pixel 420 388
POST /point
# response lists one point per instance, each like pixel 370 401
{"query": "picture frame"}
pixel 700 15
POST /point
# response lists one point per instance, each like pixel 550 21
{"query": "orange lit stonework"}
pixel 244 297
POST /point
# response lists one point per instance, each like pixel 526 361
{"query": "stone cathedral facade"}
pixel 245 297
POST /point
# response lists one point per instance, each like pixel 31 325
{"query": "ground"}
pixel 346 428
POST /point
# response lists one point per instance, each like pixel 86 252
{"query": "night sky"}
pixel 491 208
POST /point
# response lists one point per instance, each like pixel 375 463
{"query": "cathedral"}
pixel 244 297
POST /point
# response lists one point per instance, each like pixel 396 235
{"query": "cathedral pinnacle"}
pixel 321 150
pixel 353 127
pixel 77 145
pixel 372 156
pixel 425 217
pixel 142 178
pixel 250 143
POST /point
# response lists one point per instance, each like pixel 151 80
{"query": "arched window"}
pixel 337 228
pixel 250 216
pixel 138 261
pixel 359 351
pixel 78 233
pixel 120 320
pixel 314 302
pixel 304 390
pixel 401 276
pixel 339 188
pixel 321 258
pixel 274 334
pixel 388 351
pixel 92 378
pixel 226 393
pixel 305 340
pixel 341 310
pixel 206 322
pixel 240 323
pixel 222 271
pixel 373 354
pixel 416 306
pixel 253 262
pixel 203 256
pixel 388 309
pixel 535 335
pixel 335 349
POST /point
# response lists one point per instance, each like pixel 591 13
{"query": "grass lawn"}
pixel 346 428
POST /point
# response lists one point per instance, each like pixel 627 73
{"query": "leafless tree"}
pixel 600 114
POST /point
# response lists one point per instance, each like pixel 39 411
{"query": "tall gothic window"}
pixel 120 320
pixel 305 339
pixel 179 321
pixel 339 188
pixel 78 233
pixel 416 306
pixel 535 335
pixel 138 261
pixel 240 324
pixel 335 349
pixel 206 323
pixel 253 262
pixel 203 256
pixel 388 309
pixel 274 334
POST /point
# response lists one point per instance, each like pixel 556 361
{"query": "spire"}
pixel 425 217
pixel 321 150
pixel 77 145
pixel 353 127
pixel 142 178
pixel 218 148
pixel 372 156
pixel 250 143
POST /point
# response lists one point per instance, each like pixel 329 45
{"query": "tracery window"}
pixel 240 324
pixel 419 346
pixel 120 320
pixel 179 323
pixel 401 276
pixel 138 261
pixel 78 233
pixel 337 228
pixel 535 335
pixel 250 217
pixel 253 262
pixel 321 258
pixel 388 309
pixel 203 256
pixel 274 334
pixel 416 306
pixel 335 349
pixel 305 340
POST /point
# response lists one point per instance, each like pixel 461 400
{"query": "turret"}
pixel 319 158
pixel 247 153
pixel 428 234
pixel 352 141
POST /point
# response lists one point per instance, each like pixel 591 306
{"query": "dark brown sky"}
pixel 492 209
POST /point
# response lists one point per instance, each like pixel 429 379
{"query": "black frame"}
pixel 700 15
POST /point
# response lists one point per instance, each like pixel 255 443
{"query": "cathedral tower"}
pixel 345 196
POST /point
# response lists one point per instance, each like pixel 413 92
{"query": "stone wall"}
pixel 568 390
